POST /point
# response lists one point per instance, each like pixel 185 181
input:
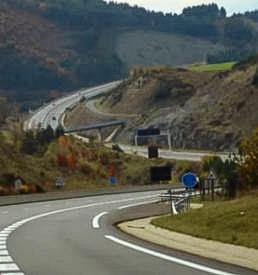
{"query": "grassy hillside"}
pixel 221 67
pixel 83 166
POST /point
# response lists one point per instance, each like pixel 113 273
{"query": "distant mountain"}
pixel 53 46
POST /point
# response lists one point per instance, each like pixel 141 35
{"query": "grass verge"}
pixel 234 222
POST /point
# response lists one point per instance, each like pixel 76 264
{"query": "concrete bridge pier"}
pixel 99 134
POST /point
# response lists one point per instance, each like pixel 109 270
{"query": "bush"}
pixel 248 170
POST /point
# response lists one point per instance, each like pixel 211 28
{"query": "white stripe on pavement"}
pixel 9 267
pixel 4 235
pixel 5 259
pixel 19 273
pixel 95 221
pixel 167 257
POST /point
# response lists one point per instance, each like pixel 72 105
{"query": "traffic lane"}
pixel 13 213
pixel 95 210
pixel 67 244
pixel 108 222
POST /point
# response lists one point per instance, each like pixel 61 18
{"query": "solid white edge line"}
pixel 167 257
pixel 95 220
pixel 136 204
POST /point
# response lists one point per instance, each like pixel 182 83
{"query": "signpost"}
pixel 211 181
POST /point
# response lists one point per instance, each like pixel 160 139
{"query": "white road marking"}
pixel 2 247
pixel 167 257
pixel 136 204
pixel 13 227
pixel 9 267
pixel 2 242
pixel 5 259
pixel 19 273
pixel 95 221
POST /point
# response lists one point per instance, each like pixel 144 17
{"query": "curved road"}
pixel 75 237
pixel 44 117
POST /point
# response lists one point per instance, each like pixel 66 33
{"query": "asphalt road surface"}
pixel 51 113
pixel 75 237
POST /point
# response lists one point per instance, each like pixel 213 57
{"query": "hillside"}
pixel 57 46
pixel 203 110
pixel 39 162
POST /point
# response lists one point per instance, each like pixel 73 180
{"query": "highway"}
pixel 76 237
pixel 51 113
pixel 44 117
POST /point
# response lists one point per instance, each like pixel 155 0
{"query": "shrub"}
pixel 248 170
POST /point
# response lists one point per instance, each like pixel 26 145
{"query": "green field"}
pixel 212 67
pixel 232 222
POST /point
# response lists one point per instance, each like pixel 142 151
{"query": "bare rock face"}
pixel 200 110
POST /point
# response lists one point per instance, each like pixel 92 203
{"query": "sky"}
pixel 176 6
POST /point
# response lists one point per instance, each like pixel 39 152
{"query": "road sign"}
pixel 212 175
pixel 148 132
pixel 153 152
pixel 60 182
pixel 160 173
pixel 189 180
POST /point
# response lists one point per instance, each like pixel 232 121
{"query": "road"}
pixel 44 117
pixel 51 113
pixel 76 237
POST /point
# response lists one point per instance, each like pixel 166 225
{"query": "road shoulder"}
pixel 232 254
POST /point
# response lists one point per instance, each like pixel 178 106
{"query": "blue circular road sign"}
pixel 189 180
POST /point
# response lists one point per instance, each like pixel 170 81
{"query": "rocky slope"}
pixel 202 110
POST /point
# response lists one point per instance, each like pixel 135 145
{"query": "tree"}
pixel 248 169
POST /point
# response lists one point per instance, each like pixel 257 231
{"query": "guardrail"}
pixel 179 200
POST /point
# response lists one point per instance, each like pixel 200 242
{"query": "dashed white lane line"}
pixel 167 257
pixel 95 220
pixel 4 234
pixel 5 259
pixel 3 253
pixel 9 267
pixel 136 204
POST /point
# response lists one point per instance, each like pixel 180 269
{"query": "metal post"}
pixel 136 140
pixel 212 189
pixel 169 140
pixel 171 207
